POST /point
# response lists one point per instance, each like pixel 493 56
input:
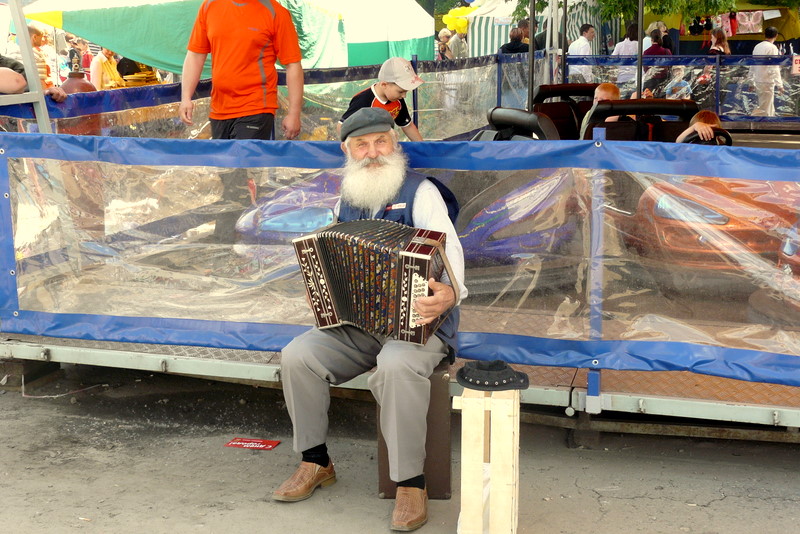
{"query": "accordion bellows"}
pixel 367 273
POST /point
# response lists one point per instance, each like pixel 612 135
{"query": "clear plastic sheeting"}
pixel 728 85
pixel 672 258
pixel 679 77
pixel 159 122
pixel 639 265
pixel 455 100
pixel 155 241
pixel 682 256
pixel 451 104
pixel 740 78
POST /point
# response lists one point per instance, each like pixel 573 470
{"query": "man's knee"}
pixel 399 363
pixel 294 353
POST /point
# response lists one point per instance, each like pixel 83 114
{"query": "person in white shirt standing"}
pixel 628 47
pixel 766 77
pixel 582 46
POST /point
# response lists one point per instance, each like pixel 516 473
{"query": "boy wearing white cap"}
pixel 395 79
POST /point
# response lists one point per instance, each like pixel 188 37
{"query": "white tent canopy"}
pixel 489 26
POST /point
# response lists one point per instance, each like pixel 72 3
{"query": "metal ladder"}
pixel 35 94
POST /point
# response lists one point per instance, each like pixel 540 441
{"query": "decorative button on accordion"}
pixel 367 273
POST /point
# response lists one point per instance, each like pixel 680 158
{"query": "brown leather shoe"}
pixel 410 509
pixel 301 485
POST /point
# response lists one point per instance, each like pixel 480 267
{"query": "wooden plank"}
pixel 504 461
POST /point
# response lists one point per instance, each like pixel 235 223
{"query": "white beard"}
pixel 373 188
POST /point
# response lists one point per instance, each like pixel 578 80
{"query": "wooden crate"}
pixel 489 435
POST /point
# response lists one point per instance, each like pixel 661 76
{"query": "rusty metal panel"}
pixel 687 385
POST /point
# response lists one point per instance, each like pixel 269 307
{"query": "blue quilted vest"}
pixel 401 211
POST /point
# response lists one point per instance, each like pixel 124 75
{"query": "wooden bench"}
pixel 438 450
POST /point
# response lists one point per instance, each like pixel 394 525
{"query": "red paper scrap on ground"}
pixel 252 443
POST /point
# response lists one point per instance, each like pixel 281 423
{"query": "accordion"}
pixel 367 273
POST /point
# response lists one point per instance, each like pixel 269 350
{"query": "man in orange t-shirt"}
pixel 244 38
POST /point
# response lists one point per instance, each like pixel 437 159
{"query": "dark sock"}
pixel 317 455
pixel 414 482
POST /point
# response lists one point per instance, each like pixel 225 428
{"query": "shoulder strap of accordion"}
pixel 414 179
pixel 450 199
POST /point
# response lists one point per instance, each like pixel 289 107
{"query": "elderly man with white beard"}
pixel 376 185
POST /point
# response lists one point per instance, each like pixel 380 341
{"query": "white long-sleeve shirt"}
pixel 581 47
pixel 626 48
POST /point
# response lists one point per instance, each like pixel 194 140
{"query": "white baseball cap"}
pixel 399 71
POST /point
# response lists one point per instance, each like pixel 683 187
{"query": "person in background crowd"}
pixel 13 81
pixel 12 48
pixel 655 76
pixel 603 92
pixel 677 87
pixel 515 44
pixel 64 67
pixel 52 55
pixel 719 43
pixel 42 63
pixel 75 56
pixel 703 122
pixel 127 66
pixel 539 40
pixel 668 43
pixel 444 48
pixel 628 47
pixel 86 57
pixel 582 46
pixel 525 26
pixel 395 79
pixel 104 74
pixel 659 25
pixel 704 90
pixel 766 77
pixel 458 45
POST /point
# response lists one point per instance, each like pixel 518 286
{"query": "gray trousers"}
pixel 318 358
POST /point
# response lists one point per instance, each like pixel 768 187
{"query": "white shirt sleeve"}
pixel 96 70
pixel 430 213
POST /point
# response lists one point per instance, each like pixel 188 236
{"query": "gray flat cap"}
pixel 366 121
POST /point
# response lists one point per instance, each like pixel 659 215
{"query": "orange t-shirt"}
pixel 244 38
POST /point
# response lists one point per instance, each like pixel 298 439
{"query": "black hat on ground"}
pixel 495 375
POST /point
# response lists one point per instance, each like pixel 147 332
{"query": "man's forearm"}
pixel 190 75
pixel 294 84
pixel 412 132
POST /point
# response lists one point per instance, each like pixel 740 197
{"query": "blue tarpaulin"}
pixel 101 241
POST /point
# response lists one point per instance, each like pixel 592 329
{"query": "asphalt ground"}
pixel 117 451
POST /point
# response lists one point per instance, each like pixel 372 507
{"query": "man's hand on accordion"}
pixel 430 308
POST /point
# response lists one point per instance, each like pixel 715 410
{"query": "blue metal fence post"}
pixel 717 106
pixel 596 245
pixel 414 96
pixel 593 403
pixel 499 80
